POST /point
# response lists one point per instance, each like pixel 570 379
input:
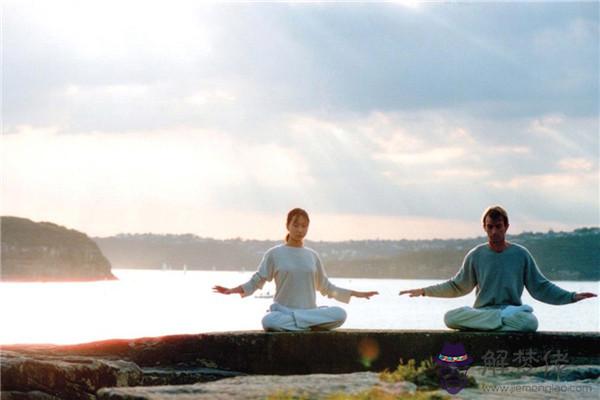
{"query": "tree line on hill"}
pixel 560 255
pixel 44 251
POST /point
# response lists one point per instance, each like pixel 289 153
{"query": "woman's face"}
pixel 298 228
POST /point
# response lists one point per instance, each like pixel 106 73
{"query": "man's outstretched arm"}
pixel 546 291
pixel 459 285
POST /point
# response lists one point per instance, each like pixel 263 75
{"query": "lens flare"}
pixel 368 350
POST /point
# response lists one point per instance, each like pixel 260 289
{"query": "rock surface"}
pixel 45 251
pixel 35 376
pixel 67 377
pixel 578 382
pixel 183 375
pixel 261 387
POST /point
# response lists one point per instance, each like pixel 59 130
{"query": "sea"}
pixel 148 303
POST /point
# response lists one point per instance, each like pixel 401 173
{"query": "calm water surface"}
pixel 153 303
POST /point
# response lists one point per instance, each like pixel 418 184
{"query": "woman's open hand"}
pixel 224 290
pixel 364 295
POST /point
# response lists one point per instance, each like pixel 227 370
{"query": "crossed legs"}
pixel 281 318
pixel 517 318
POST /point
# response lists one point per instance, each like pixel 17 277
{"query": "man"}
pixel 499 270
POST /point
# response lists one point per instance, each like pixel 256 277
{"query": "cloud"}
pixel 576 164
pixel 551 182
pixel 440 155
pixel 462 173
pixel 548 124
pixel 348 109
pixel 576 136
pixel 300 58
pixel 180 167
pixel 332 166
pixel 218 97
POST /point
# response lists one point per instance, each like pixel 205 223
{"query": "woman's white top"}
pixel 298 273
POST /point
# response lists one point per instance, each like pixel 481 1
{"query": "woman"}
pixel 298 273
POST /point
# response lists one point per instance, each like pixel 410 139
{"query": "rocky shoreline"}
pixel 189 366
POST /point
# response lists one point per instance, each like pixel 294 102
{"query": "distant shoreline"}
pixel 573 256
pixel 57 280
pixel 251 271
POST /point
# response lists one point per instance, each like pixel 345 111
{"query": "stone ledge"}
pixel 340 351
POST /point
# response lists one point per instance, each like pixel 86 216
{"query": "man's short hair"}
pixel 495 213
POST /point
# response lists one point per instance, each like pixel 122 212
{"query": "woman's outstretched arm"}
pixel 265 273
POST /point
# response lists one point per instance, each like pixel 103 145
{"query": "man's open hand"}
pixel 584 295
pixel 413 292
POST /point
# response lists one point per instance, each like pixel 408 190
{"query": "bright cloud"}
pixel 576 164
pixel 550 182
pixel 433 156
pixel 171 170
pixel 203 98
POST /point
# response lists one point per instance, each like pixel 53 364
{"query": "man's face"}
pixel 495 229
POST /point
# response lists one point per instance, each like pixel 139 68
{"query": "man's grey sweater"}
pixel 499 279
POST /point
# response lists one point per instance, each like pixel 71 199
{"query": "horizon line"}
pixel 550 230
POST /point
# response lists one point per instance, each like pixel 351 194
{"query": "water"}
pixel 145 303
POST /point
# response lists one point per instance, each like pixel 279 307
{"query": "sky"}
pixel 383 120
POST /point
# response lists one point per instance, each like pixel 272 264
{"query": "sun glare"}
pixel 115 30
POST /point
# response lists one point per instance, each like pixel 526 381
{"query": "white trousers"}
pixel 489 319
pixel 281 318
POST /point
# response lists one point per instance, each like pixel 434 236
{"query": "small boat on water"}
pixel 264 295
